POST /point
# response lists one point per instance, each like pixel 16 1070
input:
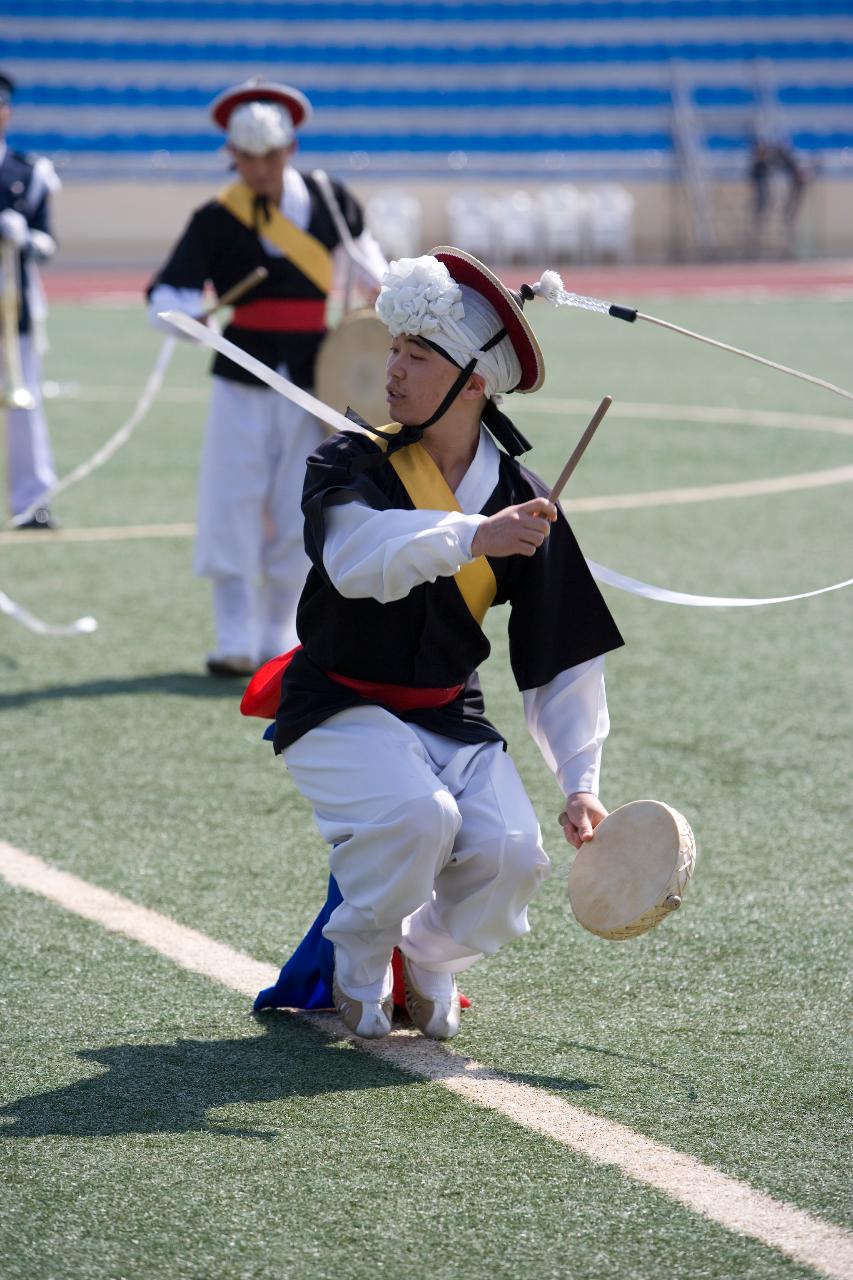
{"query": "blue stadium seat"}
pixel 551 86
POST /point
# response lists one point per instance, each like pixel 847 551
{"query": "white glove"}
pixel 42 245
pixel 13 226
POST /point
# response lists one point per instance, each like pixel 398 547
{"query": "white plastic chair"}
pixel 611 211
pixel 564 215
pixel 517 229
pixel 469 223
pixel 395 218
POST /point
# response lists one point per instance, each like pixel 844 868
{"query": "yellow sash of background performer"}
pixel 303 250
pixel 428 489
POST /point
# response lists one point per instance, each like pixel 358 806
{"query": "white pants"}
pixel 250 516
pixel 436 847
pixel 31 469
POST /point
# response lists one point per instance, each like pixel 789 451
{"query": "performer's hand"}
pixel 581 815
pixel 518 530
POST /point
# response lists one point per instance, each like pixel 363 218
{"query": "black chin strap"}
pixel 504 430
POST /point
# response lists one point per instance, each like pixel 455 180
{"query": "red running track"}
pixel 612 283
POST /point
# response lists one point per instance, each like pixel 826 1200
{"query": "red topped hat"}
pixel 468 270
pixel 259 90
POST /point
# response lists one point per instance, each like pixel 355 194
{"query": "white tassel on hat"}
pixel 549 286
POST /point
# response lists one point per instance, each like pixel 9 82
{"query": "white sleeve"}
pixel 365 260
pixel 165 297
pixel 373 258
pixel 568 720
pixel 383 554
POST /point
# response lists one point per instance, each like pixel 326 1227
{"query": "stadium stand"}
pixel 574 87
pixel 560 90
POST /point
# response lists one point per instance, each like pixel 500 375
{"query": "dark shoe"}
pixel 40 519
pixel 230 666
pixel 437 1019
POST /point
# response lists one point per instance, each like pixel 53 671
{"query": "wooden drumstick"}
pixel 579 448
pixel 231 295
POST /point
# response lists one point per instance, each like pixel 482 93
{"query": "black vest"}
pixel 17 192
pixel 217 247
pixel 430 639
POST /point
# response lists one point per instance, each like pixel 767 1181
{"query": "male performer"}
pixel 249 520
pixel 413 531
pixel 26 184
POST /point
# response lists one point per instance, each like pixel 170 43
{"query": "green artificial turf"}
pixel 151 1129
pixel 217 1146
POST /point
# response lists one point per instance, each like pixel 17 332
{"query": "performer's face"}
pixel 417 379
pixel 264 174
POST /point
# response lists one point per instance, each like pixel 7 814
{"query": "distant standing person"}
pixel 767 160
pixel 26 185
pixel 250 520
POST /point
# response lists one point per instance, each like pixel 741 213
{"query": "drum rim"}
pixel 652 910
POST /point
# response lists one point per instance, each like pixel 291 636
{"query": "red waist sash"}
pixel 284 315
pixel 263 693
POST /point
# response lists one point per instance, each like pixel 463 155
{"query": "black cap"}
pixel 7 88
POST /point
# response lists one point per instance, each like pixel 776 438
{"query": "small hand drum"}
pixel 634 871
pixel 350 368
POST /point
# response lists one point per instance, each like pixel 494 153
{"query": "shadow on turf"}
pixel 170 1088
pixel 181 683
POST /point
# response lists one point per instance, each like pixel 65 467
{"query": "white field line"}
pixel 712 492
pixel 609 502
pixel 120 395
pixel 721 416
pixel 108 533
pixel 826 1248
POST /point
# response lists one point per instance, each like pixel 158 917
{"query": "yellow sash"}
pixel 429 491
pixel 304 251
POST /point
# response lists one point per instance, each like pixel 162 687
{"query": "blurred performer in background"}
pixel 26 185
pixel 250 520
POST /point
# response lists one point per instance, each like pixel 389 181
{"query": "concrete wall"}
pixel 135 223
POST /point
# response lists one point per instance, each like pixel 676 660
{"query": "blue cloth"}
pixel 305 981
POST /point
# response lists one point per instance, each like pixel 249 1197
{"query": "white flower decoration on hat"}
pixel 259 127
pixel 418 295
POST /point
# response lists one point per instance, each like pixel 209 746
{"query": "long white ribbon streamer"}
pixel 345 236
pixel 663 595
pixel 338 422
pixel 87 624
pixel 82 627
pixel 120 437
pixel 204 335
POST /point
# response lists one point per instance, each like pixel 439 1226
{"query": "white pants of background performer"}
pixel 30 459
pixel 249 527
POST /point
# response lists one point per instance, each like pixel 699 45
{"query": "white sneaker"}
pixel 370 1019
pixel 437 1018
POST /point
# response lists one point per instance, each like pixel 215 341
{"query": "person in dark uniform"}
pixel 776 159
pixel 249 521
pixel 26 185
pixel 413 531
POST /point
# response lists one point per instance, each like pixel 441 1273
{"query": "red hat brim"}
pixel 468 270
pixel 295 103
